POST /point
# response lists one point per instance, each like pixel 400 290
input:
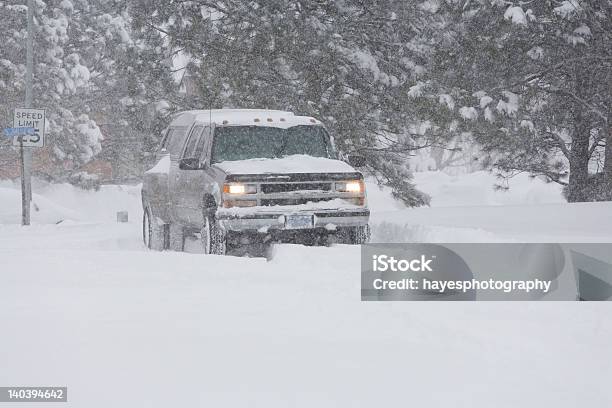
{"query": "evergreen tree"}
pixel 532 86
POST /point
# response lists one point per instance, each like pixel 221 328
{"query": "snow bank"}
pixel 467 208
pixel 291 164
pixel 478 189
pixel 53 203
pixel 44 211
pixel 577 222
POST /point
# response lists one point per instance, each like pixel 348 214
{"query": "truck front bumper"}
pixel 277 220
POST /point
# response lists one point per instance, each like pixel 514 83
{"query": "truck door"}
pixel 189 183
pixel 156 182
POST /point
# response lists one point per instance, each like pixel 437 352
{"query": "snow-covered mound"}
pixel 467 208
pixel 577 222
pixel 44 210
pixel 471 189
pixel 53 203
pixel 478 189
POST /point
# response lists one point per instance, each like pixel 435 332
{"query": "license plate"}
pixel 299 221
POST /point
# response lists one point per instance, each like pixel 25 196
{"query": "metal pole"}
pixel 25 208
pixel 26 152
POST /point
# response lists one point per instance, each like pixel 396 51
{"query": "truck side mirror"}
pixel 356 160
pixel 190 163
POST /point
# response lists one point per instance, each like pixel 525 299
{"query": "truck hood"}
pixel 286 165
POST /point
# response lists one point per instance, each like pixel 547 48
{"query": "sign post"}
pixel 26 152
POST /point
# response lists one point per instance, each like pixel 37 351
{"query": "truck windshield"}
pixel 233 143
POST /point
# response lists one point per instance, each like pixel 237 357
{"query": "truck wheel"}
pixel 213 237
pixel 177 237
pixel 153 233
pixel 357 235
pixel 361 235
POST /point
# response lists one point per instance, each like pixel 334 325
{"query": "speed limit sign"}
pixel 30 118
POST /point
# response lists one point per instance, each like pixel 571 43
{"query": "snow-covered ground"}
pixel 83 304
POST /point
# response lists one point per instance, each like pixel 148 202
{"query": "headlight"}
pixel 240 188
pixel 350 186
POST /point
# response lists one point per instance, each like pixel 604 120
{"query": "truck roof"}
pixel 244 117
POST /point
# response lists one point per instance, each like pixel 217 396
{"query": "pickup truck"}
pixel 230 177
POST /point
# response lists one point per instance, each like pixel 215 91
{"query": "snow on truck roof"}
pixel 244 117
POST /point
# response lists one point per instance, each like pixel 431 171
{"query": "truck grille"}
pixel 291 187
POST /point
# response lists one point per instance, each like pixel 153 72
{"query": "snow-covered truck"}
pixel 230 177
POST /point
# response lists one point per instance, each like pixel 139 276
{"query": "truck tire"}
pixel 153 233
pixel 177 237
pixel 354 235
pixel 360 235
pixel 213 237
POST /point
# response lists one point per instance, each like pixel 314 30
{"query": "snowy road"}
pixel 83 304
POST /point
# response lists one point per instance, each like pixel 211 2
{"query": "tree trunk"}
pixel 579 162
pixel 608 162
pixel 577 189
